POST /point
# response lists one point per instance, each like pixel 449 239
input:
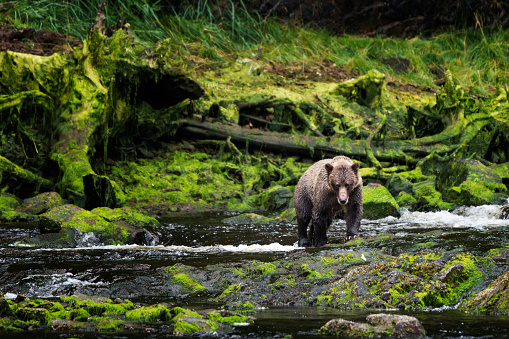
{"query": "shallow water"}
pixel 133 272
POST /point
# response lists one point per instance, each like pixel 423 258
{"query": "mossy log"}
pixel 24 179
pixel 397 152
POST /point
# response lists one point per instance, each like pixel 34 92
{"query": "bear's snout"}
pixel 343 196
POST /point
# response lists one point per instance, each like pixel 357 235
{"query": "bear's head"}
pixel 342 178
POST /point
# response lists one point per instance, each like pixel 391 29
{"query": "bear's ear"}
pixel 328 168
pixel 355 166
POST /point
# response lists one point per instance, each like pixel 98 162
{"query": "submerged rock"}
pixel 379 326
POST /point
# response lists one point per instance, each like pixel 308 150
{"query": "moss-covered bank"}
pixel 84 313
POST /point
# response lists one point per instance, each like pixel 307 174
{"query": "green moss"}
pixel 429 199
pixel 229 290
pixel 179 312
pixel 97 309
pixel 153 313
pixel 231 319
pixel 378 203
pixel 414 175
pixel 126 214
pixel 183 275
pixel 470 193
pixel 316 274
pixel 41 315
pixel 427 244
pixel 111 325
pixel 188 282
pixel 183 328
pixel 405 200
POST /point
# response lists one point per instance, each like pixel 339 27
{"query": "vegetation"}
pixel 202 38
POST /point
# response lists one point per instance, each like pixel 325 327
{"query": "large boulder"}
pixel 378 202
pixel 111 226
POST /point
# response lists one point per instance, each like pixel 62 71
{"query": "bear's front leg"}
pixel 303 221
pixel 320 227
pixel 353 214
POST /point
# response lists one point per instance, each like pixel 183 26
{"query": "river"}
pixel 134 272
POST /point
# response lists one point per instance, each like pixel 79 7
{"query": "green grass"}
pixel 202 35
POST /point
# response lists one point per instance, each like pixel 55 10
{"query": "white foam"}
pixel 45 286
pixel 10 296
pixel 479 217
pixel 254 248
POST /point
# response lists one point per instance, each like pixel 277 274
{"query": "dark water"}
pixel 133 272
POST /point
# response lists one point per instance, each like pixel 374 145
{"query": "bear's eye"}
pixel 336 186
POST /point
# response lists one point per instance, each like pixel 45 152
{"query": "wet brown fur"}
pixel 326 188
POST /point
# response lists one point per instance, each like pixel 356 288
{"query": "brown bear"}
pixel 326 188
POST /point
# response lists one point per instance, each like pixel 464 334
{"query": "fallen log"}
pixel 393 151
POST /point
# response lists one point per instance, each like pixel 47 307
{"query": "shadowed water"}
pixel 134 272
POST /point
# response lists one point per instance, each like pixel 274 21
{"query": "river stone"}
pixel 379 325
pixel 342 327
pixel 42 203
pixel 378 203
pixel 494 299
pixel 401 326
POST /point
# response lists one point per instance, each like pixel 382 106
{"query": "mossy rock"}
pixel 65 238
pixel 184 279
pixel 250 218
pixel 230 318
pixel 494 299
pixel 503 172
pixel 9 205
pixel 289 215
pixel 71 216
pixel 455 172
pixel 276 198
pixel 406 200
pixel 428 198
pixel 40 315
pixel 378 203
pixel 398 183
pixel 470 193
pixel 187 325
pixel 153 313
pixel 42 203
pixel 126 214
